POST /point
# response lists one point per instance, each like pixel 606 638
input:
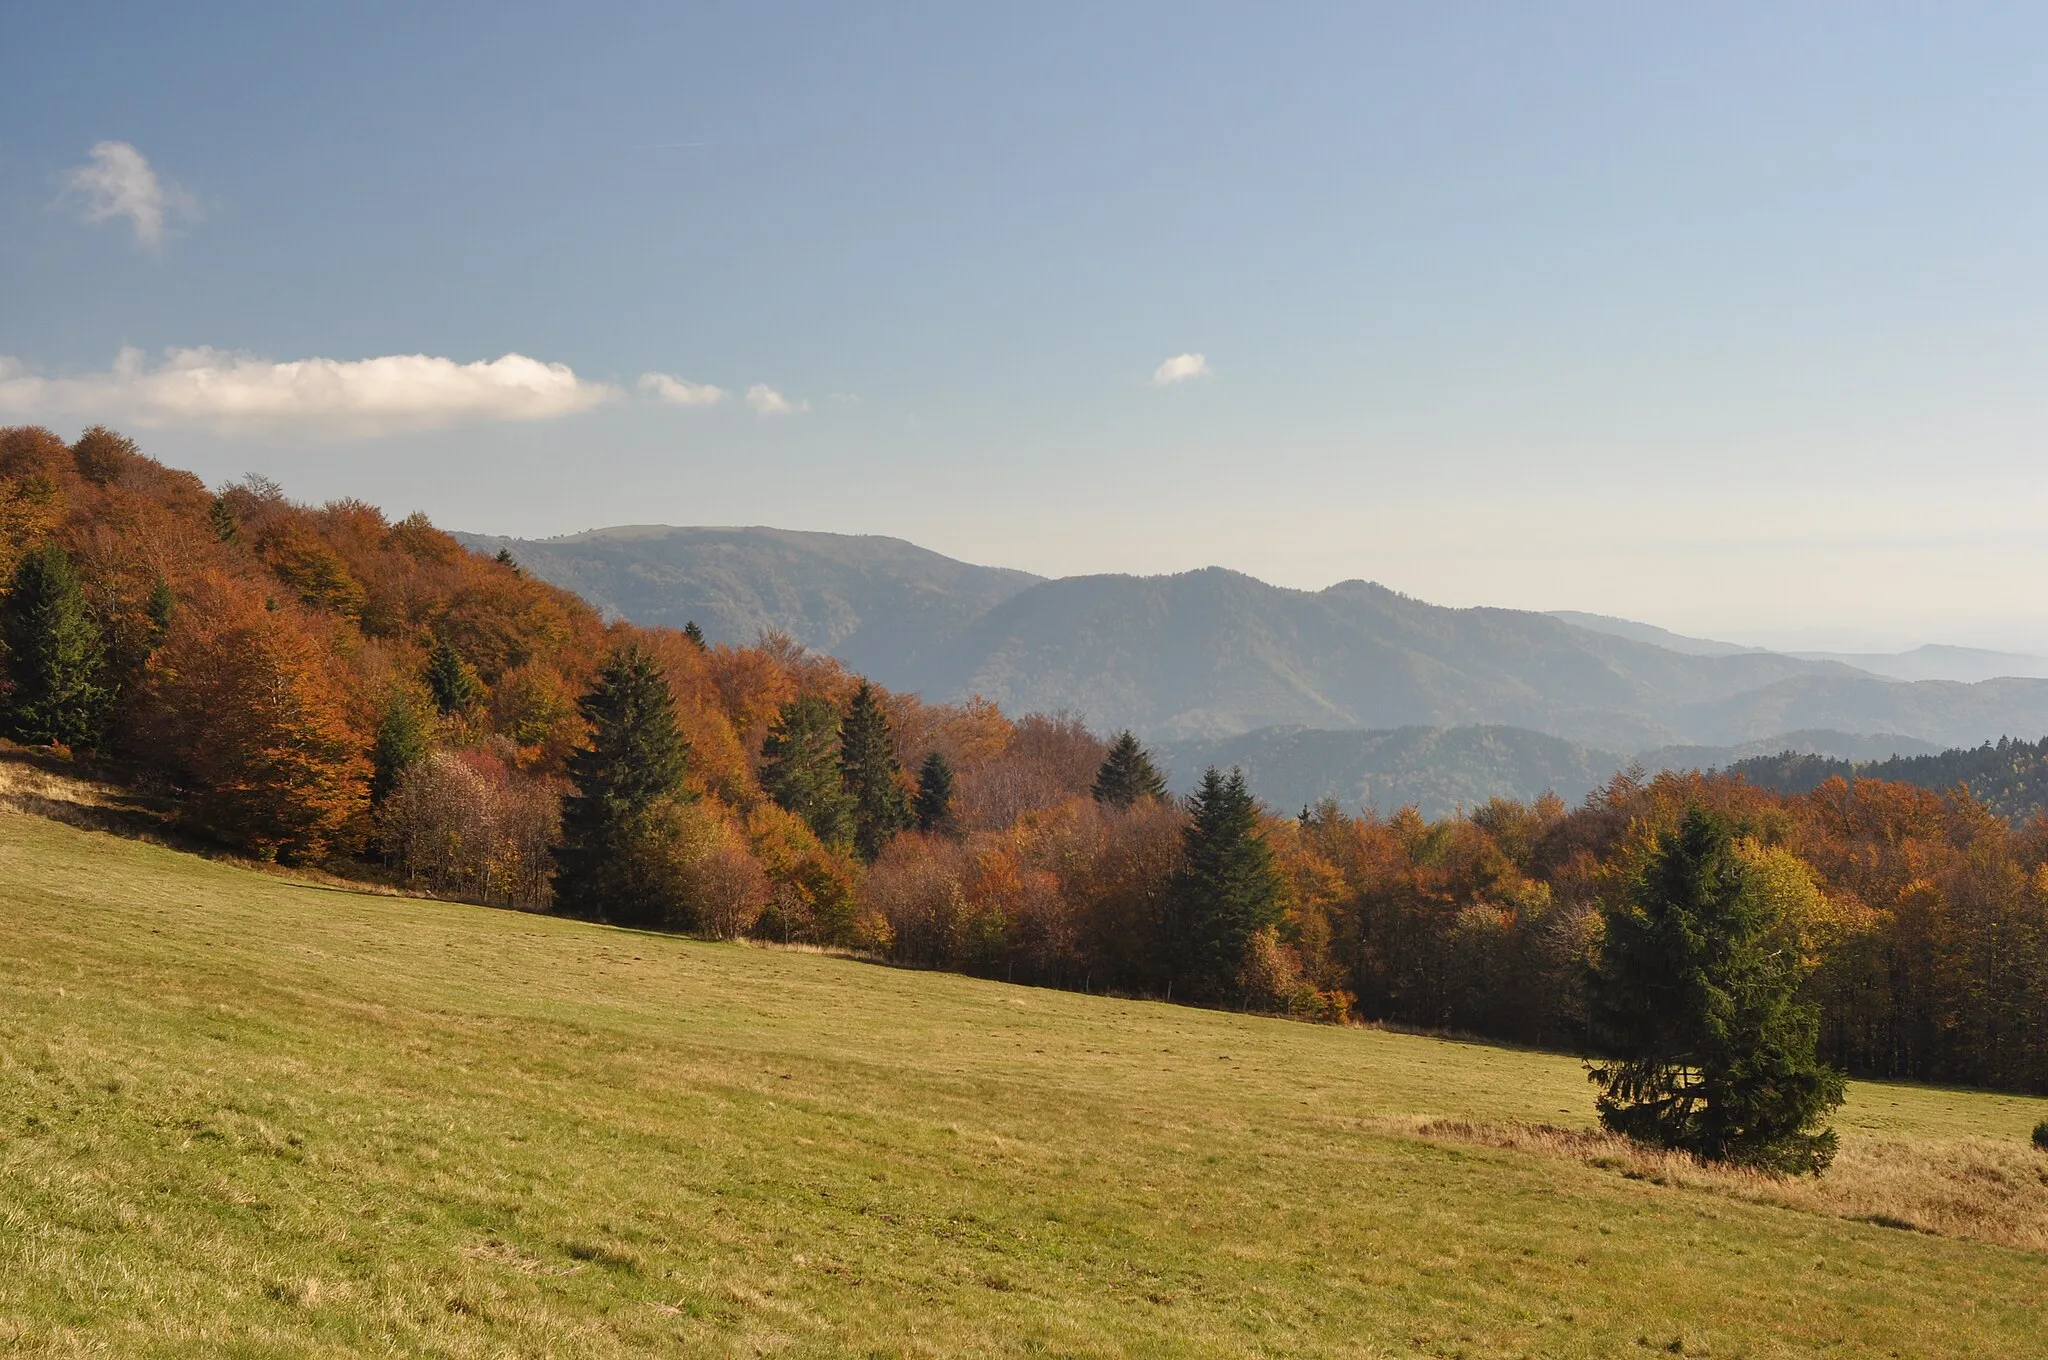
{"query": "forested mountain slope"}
pixel 1440 770
pixel 2009 777
pixel 876 603
pixel 1436 770
pixel 1215 653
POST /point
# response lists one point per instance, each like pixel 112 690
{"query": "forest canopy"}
pixel 327 684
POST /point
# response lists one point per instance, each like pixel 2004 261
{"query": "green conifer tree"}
pixel 1696 997
pixel 934 805
pixel 402 743
pixel 1127 774
pixel 452 680
pixel 867 771
pixel 158 608
pixel 55 656
pixel 1226 891
pixel 622 779
pixel 694 633
pixel 800 767
pixel 226 527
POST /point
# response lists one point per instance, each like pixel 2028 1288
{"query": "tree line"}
pixel 322 683
pixel 2008 776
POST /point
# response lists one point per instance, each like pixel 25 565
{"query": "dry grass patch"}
pixel 1977 1189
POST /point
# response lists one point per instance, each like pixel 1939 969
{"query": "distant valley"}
pixel 1356 691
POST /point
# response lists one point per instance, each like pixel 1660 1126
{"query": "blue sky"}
pixel 1732 319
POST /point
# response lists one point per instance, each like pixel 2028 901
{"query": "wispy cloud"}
pixel 228 391
pixel 118 182
pixel 1180 368
pixel 768 402
pixel 681 391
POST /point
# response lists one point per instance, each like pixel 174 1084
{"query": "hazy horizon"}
pixel 1732 322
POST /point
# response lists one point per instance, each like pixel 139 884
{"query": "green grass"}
pixel 245 1116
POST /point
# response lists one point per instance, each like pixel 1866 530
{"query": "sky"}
pixel 1730 318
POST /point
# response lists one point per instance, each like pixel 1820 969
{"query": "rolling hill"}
pixel 876 603
pixel 1211 654
pixel 2009 777
pixel 243 1115
pixel 1438 770
pixel 1215 653
pixel 1441 770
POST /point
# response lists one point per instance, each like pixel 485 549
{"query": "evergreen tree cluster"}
pixel 2009 776
pixel 838 771
pixel 54 654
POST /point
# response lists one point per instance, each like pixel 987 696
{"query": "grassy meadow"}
pixel 242 1115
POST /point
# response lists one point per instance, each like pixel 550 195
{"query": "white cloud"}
pixel 228 391
pixel 1180 368
pixel 768 402
pixel 681 391
pixel 118 182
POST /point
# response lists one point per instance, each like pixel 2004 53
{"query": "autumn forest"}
pixel 324 685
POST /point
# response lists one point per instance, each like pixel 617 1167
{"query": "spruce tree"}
pixel 506 559
pixel 1127 774
pixel 226 527
pixel 1696 997
pixel 55 656
pixel 867 771
pixel 800 767
pixel 159 609
pixel 694 633
pixel 934 805
pixel 401 744
pixel 1226 891
pixel 628 772
pixel 452 680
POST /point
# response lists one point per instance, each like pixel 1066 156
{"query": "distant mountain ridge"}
pixel 1438 770
pixel 876 603
pixel 1965 665
pixel 1212 654
pixel 1441 770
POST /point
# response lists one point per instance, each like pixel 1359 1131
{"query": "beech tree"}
pixel 1696 996
pixel 1128 774
pixel 800 767
pixel 625 780
pixel 868 770
pixel 55 657
pixel 252 706
pixel 1226 891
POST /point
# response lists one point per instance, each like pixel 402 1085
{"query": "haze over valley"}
pixel 1437 707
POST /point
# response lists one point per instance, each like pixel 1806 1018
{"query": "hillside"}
pixel 1965 664
pixel 1440 770
pixel 1213 654
pixel 878 604
pixel 243 1115
pixel 1437 770
pixel 1649 632
pixel 2010 777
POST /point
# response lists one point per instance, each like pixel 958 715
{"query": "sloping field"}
pixel 244 1116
